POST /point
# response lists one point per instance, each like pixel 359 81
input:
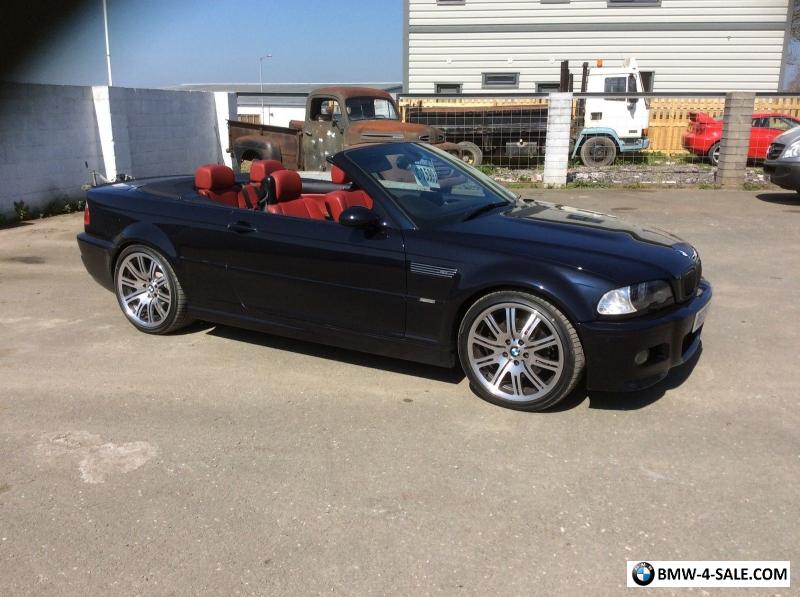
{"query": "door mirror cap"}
pixel 358 216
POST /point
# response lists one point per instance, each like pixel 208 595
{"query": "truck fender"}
pixel 252 147
pixel 595 132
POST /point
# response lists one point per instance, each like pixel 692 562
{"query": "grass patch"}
pixel 23 212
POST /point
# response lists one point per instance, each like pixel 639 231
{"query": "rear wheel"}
pixel 598 151
pixel 519 351
pixel 713 154
pixel 471 153
pixel 148 291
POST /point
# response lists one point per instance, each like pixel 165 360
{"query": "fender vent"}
pixel 432 270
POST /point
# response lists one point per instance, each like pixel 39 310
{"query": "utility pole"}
pixel 108 47
pixel 261 80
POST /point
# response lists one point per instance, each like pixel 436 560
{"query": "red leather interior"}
pixel 290 202
pixel 254 192
pixel 218 183
pixel 339 176
pixel 288 185
pixel 338 201
pixel 260 169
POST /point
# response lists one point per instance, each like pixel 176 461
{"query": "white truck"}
pixel 604 127
pixel 611 126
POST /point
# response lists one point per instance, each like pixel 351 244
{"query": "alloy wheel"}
pixel 515 352
pixel 144 290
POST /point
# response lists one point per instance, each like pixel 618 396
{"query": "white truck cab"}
pixel 612 125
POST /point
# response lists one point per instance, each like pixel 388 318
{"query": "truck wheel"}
pixel 598 151
pixel 713 154
pixel 471 153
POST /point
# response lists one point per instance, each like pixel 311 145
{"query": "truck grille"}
pixel 775 150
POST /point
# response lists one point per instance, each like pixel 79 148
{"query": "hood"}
pixel 595 243
pixel 384 131
pixel 788 137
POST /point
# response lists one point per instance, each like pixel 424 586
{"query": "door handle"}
pixel 241 227
pixel 308 133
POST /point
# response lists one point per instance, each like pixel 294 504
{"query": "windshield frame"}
pixel 494 188
pixel 373 98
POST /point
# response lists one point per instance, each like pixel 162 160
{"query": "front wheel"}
pixel 519 351
pixel 598 151
pixel 148 291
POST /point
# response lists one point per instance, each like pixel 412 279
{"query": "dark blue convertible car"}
pixel 406 252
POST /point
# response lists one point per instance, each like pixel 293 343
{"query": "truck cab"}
pixel 612 125
pixel 336 118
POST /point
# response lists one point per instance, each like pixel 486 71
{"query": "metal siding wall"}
pixel 713 60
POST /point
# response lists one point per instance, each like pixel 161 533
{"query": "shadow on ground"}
pixel 600 400
pixel 321 351
pixel 788 198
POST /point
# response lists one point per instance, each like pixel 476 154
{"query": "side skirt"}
pixel 400 348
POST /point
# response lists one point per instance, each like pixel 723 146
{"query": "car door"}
pixel 322 132
pixel 319 272
pixel 760 138
pixel 201 238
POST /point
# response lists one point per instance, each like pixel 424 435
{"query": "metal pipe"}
pixel 108 47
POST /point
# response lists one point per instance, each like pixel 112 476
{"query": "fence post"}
pixel 556 152
pixel 737 120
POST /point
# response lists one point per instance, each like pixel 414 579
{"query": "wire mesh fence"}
pixel 615 138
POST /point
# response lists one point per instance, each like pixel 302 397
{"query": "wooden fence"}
pixel 669 116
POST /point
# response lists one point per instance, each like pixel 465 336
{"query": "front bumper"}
pixel 97 255
pixel 610 347
pixel 784 174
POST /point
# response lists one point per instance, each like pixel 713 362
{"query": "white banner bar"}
pixel 653 574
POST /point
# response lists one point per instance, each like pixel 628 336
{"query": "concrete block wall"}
pixel 49 132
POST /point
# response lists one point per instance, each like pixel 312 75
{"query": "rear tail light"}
pixel 87 218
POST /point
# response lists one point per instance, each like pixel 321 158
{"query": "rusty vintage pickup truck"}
pixel 336 118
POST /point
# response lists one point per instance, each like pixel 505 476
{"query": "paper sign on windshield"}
pixel 425 174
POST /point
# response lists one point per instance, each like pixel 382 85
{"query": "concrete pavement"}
pixel 222 461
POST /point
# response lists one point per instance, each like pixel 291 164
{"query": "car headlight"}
pixel 793 151
pixel 638 298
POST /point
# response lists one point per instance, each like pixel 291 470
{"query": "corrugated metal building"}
pixel 476 46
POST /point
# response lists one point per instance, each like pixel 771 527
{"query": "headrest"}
pixel 214 177
pixel 339 176
pixel 260 169
pixel 288 185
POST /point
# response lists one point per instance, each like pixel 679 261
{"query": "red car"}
pixel 705 132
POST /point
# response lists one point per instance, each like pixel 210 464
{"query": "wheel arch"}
pixel 476 294
pixel 587 134
pixel 148 235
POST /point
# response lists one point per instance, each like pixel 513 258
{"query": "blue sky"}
pixel 156 43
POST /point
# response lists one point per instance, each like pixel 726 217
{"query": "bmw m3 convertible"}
pixel 407 252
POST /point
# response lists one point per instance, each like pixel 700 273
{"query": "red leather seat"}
pixel 255 191
pixel 289 200
pixel 339 176
pixel 338 201
pixel 218 183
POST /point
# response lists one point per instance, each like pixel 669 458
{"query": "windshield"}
pixel 370 108
pixel 429 185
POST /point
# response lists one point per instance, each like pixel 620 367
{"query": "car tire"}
pixel 471 153
pixel 148 291
pixel 713 154
pixel 597 152
pixel 532 364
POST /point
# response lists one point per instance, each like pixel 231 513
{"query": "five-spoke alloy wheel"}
pixel 148 291
pixel 519 351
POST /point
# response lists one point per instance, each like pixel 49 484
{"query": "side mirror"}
pixel 358 216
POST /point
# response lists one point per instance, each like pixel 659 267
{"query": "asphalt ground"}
pixel 222 461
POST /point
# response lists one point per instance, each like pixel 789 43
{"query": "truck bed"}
pixel 286 140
